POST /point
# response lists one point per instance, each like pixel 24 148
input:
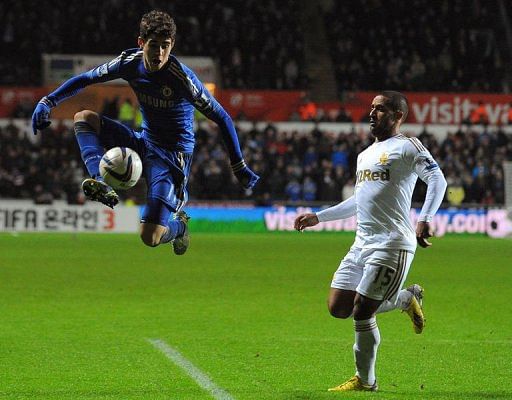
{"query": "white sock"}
pixel 365 349
pixel 402 302
pixel 404 299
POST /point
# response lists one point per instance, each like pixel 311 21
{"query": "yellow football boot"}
pixel 415 309
pixel 354 384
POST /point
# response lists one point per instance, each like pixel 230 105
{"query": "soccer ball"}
pixel 121 167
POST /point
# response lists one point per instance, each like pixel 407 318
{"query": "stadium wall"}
pixel 24 216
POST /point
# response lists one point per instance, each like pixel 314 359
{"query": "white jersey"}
pixel 386 175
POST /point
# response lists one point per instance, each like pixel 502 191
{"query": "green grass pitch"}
pixel 248 310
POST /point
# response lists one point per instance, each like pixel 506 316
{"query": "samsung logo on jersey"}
pixel 369 175
pixel 154 101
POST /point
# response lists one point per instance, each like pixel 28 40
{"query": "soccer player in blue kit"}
pixel 168 91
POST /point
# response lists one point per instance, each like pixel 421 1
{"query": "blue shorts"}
pixel 166 171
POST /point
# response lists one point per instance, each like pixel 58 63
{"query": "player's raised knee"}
pixel 90 117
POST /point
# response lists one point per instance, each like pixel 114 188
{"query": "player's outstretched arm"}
pixel 41 115
pixel 345 209
pixel 342 210
pixel 102 73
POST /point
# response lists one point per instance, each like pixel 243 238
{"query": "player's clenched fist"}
pixel 305 220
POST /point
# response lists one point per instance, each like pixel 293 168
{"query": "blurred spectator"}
pixel 307 109
pixel 310 157
pixel 23 109
pixel 329 188
pixel 343 115
pixel 291 70
pixel 138 119
pixel 497 185
pixel 455 191
pixel 42 196
pixel 309 189
pixel 293 190
pixel 110 108
pixel 339 156
pixel 127 113
pixel 480 115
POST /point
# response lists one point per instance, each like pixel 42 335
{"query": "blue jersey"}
pixel 167 100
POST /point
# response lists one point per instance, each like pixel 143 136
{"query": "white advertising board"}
pixel 25 216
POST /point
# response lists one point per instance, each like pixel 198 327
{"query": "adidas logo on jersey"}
pixel 369 175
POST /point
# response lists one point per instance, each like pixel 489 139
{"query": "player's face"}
pixel 383 120
pixel 156 51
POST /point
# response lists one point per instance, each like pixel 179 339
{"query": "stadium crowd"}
pixel 250 51
pixel 294 166
pixel 416 45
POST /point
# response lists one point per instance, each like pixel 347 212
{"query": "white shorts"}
pixel 374 273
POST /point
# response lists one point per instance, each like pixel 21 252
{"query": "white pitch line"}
pixel 195 373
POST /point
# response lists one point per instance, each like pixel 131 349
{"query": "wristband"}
pixel 48 102
pixel 239 165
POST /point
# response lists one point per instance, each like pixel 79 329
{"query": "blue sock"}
pixel 90 147
pixel 175 228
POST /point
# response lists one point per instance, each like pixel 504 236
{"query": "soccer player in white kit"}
pixel 369 278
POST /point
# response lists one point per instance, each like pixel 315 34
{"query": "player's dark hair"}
pixel 157 23
pixel 397 102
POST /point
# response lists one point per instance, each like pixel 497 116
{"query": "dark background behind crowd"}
pixel 241 36
pixel 418 45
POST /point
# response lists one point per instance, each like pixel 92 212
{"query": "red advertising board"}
pixel 271 105
pixel 276 105
pixel 11 97
pixel 439 108
pixel 91 98
pixel 424 108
